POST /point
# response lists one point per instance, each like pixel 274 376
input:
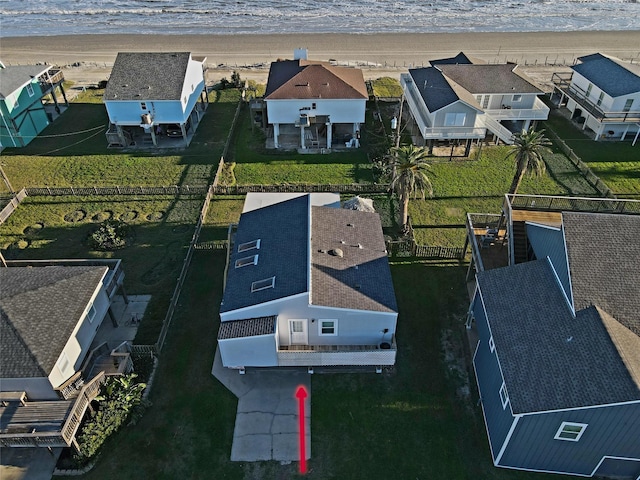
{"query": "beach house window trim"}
pixel 517 98
pixel 91 312
pixel 589 89
pixel 479 99
pixel 63 363
pixel 16 101
pixel 243 247
pixel 627 105
pixel 455 119
pixel 143 105
pixel 600 98
pixel 492 345
pixel 263 284
pixel 328 327
pixel 314 106
pixel 570 431
pixel 246 261
pixel 485 101
pixel 504 396
pixel 30 89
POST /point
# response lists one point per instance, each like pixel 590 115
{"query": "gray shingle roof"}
pixel 547 355
pixel 460 58
pixel 249 327
pixel 486 79
pixel 14 77
pixel 603 252
pixel 147 76
pixel 40 307
pixel 303 79
pixel 284 243
pixel 435 90
pixel 609 75
pixel 335 281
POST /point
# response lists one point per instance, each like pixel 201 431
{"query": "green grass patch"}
pixel 386 87
pixel 223 211
pixel 59 227
pixel 616 163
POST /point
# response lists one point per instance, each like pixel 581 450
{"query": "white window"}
pixel 455 119
pixel 517 98
pixel 600 97
pixel 16 101
pixel 479 99
pixel 313 106
pixel 485 102
pixel 570 431
pixel 63 363
pixel 143 105
pixel 30 89
pixel 328 327
pixel 492 345
pixel 263 284
pixel 504 396
pixel 91 313
pixel 243 262
pixel 243 247
pixel 627 105
pixel 589 89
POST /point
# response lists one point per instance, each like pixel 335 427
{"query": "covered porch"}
pixel 314 137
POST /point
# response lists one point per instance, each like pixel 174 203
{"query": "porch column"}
pixel 153 136
pixel 276 134
pixel 527 124
pixel 302 137
pixel 121 136
pixel 624 134
pixel 329 139
pixel 64 95
pixel 112 316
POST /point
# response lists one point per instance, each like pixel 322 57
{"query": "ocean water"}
pixel 64 17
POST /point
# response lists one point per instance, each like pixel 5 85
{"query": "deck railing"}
pixel 336 355
pixel 87 394
pixel 573 204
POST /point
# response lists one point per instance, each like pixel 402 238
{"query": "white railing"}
pixel 539 112
pixel 358 355
pixel 454 132
pixel 501 132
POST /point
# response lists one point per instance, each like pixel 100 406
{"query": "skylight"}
pixel 243 262
pixel 263 284
pixel 243 247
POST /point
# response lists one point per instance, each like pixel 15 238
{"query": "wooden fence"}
pixel 582 167
pixel 302 188
pixel 117 190
pixel 12 205
pixel 409 248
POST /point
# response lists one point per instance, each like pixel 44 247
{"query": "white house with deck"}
pixel 457 100
pixel 314 104
pixel 307 284
pixel 603 95
pixel 150 96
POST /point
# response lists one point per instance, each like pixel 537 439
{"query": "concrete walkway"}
pixel 267 417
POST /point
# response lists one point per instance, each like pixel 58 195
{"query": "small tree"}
pixel 110 235
pixel 409 177
pixel 236 80
pixel 527 149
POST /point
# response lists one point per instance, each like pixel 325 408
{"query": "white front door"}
pixel 298 334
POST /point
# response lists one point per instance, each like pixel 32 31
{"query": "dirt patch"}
pixel 129 216
pixel 155 216
pixel 33 229
pixel 75 216
pixel 102 216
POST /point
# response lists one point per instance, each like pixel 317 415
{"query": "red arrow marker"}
pixel 301 394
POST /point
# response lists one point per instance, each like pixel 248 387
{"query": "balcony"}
pixel 337 355
pixel 50 79
pixel 539 112
pixel 578 95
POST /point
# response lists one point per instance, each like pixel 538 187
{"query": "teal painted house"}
pixel 28 102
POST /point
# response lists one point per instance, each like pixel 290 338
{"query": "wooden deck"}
pixel 35 417
pixel 553 219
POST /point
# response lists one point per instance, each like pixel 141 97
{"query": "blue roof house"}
pixel 602 94
pixel 308 284
pixel 557 358
pixel 23 112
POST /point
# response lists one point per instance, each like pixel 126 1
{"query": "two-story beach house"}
pixel 603 95
pixel 555 335
pixel 313 104
pixel 457 100
pixel 50 312
pixel 308 284
pixel 24 113
pixel 155 99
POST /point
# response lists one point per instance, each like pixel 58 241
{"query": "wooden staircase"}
pixel 520 242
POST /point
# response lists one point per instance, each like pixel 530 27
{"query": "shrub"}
pixel 110 235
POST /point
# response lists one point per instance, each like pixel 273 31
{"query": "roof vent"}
pixel 350 225
pixel 342 242
pixel 359 245
pixel 336 252
pixel 358 286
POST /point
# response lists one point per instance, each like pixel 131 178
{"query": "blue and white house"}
pixel 308 284
pixel 457 99
pixel 557 357
pixel 155 95
pixel 603 95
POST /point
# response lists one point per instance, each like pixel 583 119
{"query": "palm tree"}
pixel 527 150
pixel 408 178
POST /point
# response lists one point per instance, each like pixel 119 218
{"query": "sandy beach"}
pixel 377 54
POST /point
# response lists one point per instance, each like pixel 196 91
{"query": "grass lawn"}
pixel 386 87
pixel 460 187
pixel 68 155
pixel 256 165
pixel 406 424
pixel 616 163
pixel 57 227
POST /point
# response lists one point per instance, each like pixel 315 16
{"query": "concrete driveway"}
pixel 267 417
pixel 28 463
